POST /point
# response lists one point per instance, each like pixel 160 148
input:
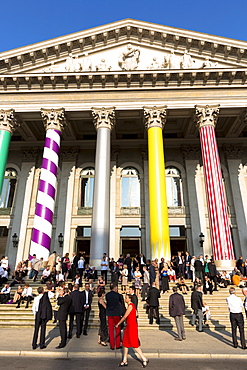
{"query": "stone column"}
pixel 54 122
pixel 159 226
pixel 221 239
pixel 7 125
pixel 104 120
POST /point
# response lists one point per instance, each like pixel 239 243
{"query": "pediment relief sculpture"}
pixel 129 59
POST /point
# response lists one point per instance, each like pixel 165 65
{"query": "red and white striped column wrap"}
pixel 221 239
pixel 42 227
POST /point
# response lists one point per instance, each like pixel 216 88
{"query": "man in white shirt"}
pixel 104 268
pixel 235 306
pixel 27 294
pixel 5 294
pixel 45 275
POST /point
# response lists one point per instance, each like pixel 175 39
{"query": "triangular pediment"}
pixel 125 46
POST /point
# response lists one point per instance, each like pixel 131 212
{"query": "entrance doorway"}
pixel 83 248
pixel 178 245
pixel 131 246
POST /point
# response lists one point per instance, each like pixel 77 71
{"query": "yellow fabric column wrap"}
pixel 159 226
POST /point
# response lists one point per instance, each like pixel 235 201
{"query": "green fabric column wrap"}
pixel 5 137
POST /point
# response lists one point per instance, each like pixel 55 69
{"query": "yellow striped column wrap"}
pixel 159 225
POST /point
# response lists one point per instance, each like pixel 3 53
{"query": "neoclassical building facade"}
pixel 124 138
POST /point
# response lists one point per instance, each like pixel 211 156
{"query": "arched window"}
pixel 8 191
pixel 87 185
pixel 130 188
pixel 173 187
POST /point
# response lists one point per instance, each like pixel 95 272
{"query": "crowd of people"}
pixel 137 278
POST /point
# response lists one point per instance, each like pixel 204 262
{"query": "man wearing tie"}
pixel 64 301
pixel 87 297
pixel 75 311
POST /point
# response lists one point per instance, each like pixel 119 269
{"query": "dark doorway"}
pixel 83 248
pixel 178 245
pixel 131 246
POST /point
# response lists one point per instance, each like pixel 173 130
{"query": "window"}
pixel 130 188
pixel 173 187
pixel 8 191
pixel 87 185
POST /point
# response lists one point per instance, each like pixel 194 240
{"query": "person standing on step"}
pixel 87 297
pixel 177 311
pixel 75 311
pixel 114 312
pixel 153 300
pixel 235 306
pixel 64 301
pixel 104 268
pixel 42 311
pixel 196 305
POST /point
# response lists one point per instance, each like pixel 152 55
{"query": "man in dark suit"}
pixel 199 269
pixel 114 273
pixel 181 264
pixel 114 311
pixel 177 310
pixel 128 262
pixel 75 311
pixel 187 265
pixel 64 301
pixel 74 265
pixel 87 297
pixel 207 286
pixel 43 313
pixel 213 273
pixel 152 274
pixel 134 298
pixel 153 299
pixel 196 305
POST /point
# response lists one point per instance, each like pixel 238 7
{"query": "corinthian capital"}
pixel 206 115
pixel 53 118
pixel 154 116
pixel 8 121
pixel 103 117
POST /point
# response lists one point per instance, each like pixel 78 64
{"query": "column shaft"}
pixel 42 227
pixel 159 224
pixel 5 137
pixel 101 198
pixel 217 208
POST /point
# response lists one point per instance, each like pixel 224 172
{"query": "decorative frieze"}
pixel 53 118
pixel 8 121
pixel 232 151
pixel 206 115
pixel 154 116
pixel 192 152
pixel 30 154
pixel 103 117
pixel 69 153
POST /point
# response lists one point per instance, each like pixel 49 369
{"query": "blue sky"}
pixel 30 21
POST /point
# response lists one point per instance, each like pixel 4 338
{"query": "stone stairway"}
pixel 12 317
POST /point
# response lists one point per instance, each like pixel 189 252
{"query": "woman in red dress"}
pixel 130 338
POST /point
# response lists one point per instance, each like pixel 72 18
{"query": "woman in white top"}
pixel 124 274
pixel 138 284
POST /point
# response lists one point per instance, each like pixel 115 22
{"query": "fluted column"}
pixel 159 226
pixel 54 122
pixel 7 125
pixel 104 120
pixel 221 239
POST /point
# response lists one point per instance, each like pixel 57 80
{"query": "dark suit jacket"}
pixel 75 262
pixel 198 265
pixel 134 300
pixel 152 274
pixel 128 262
pixel 176 305
pixel 90 298
pixel 113 304
pixel 196 300
pixel 45 308
pixel 64 303
pixel 153 297
pixel 76 302
pixel 212 269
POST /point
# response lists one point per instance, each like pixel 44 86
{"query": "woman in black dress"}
pixel 103 330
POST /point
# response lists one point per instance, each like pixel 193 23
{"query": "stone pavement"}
pixel 154 343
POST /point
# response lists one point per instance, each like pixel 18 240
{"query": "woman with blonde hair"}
pixel 124 274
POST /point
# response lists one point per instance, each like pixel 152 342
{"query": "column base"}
pixel 96 263
pixel 225 265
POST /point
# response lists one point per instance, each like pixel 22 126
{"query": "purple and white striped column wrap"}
pixel 42 228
